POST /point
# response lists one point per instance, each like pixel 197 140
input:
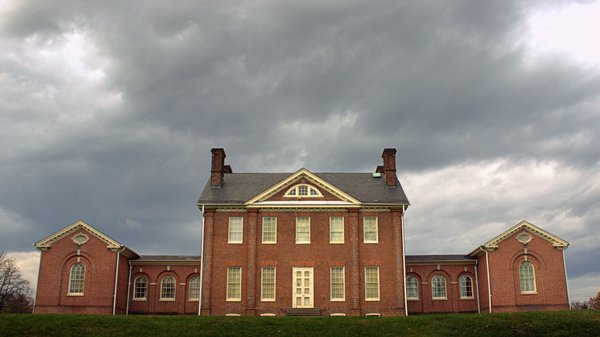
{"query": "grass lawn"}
pixel 565 323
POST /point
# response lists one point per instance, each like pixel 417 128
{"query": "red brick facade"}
pixel 526 266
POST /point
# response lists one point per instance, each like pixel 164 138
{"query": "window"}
pixel 370 229
pixel 338 291
pixel 412 288
pixel 527 278
pixel 303 190
pixel 336 229
pixel 267 287
pixel 236 226
pixel 269 230
pixel 371 283
pixel 303 230
pixel 140 288
pixel 234 283
pixel 76 279
pixel 194 288
pixel 466 286
pixel 438 287
pixel 167 288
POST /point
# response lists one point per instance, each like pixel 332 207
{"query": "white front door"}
pixel 302 296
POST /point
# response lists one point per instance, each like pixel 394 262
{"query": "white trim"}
pixel 174 288
pixel 376 229
pixel 48 241
pixel 489 285
pixel 227 297
pixel 268 314
pixel 201 261
pixel 373 314
pixel 433 297
pixel 309 189
pixel 567 281
pixel 555 240
pixel 241 230
pixel 302 242
pixel 460 292
pixel 417 288
pixel 337 242
pixel 337 314
pixel 404 261
pixel 337 299
pixel 263 241
pixel 262 278
pixel 76 293
pixel 189 288
pixel 534 291
pixel 233 315
pixel 373 299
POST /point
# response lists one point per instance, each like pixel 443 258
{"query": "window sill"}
pixel 267 300
pixel 337 300
pixel 233 300
pixel 139 299
pixel 440 298
pixel 234 243
pixel 412 299
pixel 372 299
pixel 467 298
pixel 302 243
pixel 336 243
pixel 74 294
pixel 371 242
pixel 269 243
pixel 166 300
pixel 529 293
pixel 193 300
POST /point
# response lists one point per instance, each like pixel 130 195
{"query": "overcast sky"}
pixel 108 111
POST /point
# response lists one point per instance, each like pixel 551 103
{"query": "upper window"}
pixel 303 190
pixel 194 288
pixel 302 230
pixel 267 285
pixel 338 292
pixel 76 279
pixel 412 288
pixel 140 288
pixel 527 278
pixel 466 286
pixel 438 287
pixel 234 284
pixel 167 288
pixel 269 229
pixel 336 229
pixel 370 229
pixel 236 227
pixel 371 283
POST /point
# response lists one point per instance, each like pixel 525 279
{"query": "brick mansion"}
pixel 301 243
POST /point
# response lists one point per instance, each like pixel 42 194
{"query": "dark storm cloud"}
pixel 123 140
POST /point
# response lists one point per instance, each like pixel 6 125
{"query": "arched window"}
pixel 140 288
pixel 412 288
pixel 438 287
pixel 466 286
pixel 167 288
pixel 194 288
pixel 76 279
pixel 527 278
pixel 303 190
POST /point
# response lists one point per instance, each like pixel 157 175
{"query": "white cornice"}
pixel 47 242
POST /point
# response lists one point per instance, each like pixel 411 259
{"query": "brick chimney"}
pixel 217 169
pixel 389 167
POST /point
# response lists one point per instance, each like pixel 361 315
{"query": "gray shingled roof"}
pixel 433 258
pixel 241 187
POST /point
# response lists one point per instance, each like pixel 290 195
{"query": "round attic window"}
pixel 524 238
pixel 80 239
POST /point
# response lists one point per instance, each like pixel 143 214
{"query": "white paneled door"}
pixel 303 288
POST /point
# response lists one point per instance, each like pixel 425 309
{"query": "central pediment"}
pixel 302 188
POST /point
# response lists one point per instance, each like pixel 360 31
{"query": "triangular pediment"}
pixel 287 192
pixel 74 228
pixel 527 226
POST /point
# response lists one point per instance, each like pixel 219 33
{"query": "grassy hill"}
pixel 574 323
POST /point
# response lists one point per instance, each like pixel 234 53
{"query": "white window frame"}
pixel 331 240
pixel 433 295
pixel 135 294
pixel 80 280
pixel 302 242
pixel 337 299
pixel 230 230
pixel 195 278
pixel 269 242
pixel 376 240
pixel 464 295
pixel 262 284
pixel 162 281
pixel 294 192
pixel 408 297
pixel 369 299
pixel 229 289
pixel 533 280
